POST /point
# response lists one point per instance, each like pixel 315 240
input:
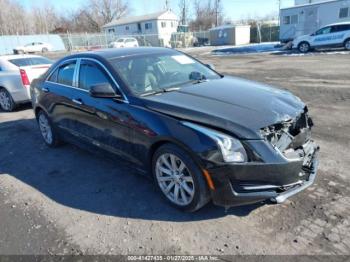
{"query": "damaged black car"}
pixel 199 135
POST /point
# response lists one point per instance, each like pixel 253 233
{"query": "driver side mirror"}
pixel 103 90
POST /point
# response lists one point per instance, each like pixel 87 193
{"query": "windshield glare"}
pixel 157 72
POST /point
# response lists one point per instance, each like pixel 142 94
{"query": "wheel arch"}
pixel 37 109
pixel 156 145
pixel 3 87
pixel 347 39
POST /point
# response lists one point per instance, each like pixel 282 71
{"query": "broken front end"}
pixel 280 165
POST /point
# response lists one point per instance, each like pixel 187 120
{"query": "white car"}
pixel 125 42
pixel 16 74
pixel 334 35
pixel 33 48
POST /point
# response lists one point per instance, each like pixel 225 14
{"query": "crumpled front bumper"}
pixel 250 183
pixel 280 198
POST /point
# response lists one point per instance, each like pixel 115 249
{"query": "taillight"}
pixel 24 77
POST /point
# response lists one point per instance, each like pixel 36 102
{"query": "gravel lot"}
pixel 69 201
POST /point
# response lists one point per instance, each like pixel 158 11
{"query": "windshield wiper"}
pixel 162 90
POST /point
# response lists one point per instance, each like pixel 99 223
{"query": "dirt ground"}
pixel 68 201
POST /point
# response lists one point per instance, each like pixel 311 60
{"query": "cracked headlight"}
pixel 231 148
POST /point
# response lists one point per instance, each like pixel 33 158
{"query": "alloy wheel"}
pixel 347 45
pixel 5 100
pixel 45 128
pixel 175 179
pixel 304 47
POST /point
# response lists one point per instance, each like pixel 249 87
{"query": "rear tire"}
pixel 47 130
pixel 304 47
pixel 6 101
pixel 44 50
pixel 179 178
pixel 347 44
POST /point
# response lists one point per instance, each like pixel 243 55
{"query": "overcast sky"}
pixel 233 9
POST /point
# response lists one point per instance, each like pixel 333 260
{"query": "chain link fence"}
pixel 264 33
pixel 79 42
pixel 89 41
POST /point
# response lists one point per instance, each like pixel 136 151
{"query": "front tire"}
pixel 47 130
pixel 179 178
pixel 304 47
pixel 347 44
pixel 6 101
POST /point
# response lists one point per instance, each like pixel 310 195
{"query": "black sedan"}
pixel 200 135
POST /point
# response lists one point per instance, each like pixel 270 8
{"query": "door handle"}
pixel 45 89
pixel 77 101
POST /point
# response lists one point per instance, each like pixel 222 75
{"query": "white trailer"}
pixel 306 19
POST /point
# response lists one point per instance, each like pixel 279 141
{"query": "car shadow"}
pixel 79 179
pixel 20 107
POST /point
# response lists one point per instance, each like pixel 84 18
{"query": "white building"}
pixel 306 18
pixel 156 27
pixel 305 2
pixel 230 35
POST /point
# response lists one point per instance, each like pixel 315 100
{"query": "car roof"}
pixel 340 23
pixel 114 53
pixel 10 57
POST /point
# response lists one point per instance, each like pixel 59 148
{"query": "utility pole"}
pixel 184 13
pixel 167 4
pixel 217 12
pixel 279 12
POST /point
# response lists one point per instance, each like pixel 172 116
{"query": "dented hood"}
pixel 238 106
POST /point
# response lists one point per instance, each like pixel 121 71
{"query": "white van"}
pixel 334 35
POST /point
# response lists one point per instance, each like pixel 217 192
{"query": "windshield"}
pixel 120 40
pixel 157 72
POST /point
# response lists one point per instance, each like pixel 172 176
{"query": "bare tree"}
pixel 44 18
pixel 12 18
pixel 99 12
pixel 207 14
pixel 184 11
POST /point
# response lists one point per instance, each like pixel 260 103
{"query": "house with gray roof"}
pixel 159 25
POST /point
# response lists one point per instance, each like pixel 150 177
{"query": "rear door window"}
pixel 65 74
pixel 340 28
pixel 344 27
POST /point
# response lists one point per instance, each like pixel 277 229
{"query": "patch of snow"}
pixel 319 53
pixel 248 49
